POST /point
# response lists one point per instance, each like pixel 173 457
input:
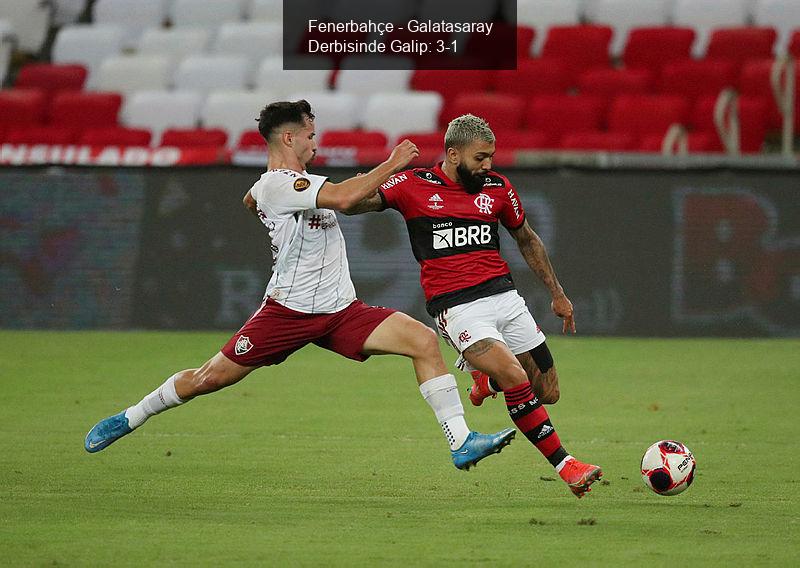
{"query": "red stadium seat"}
pixel 652 48
pixel 85 110
pixel 693 78
pixel 753 112
pixel 525 37
pixel 697 142
pixel 533 77
pixel 609 83
pixel 52 135
pixel 450 83
pixel 755 81
pixel 251 139
pixel 522 140
pixel 794 44
pixel 581 47
pixel 499 110
pixel 556 115
pixel 598 140
pixel 641 115
pixel 194 137
pixel 116 136
pixel 481 44
pixel 740 44
pixel 22 107
pixel 354 138
pixel 425 139
pixel 51 78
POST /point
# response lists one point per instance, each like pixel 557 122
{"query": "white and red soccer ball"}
pixel 668 467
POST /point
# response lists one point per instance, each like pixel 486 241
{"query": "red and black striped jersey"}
pixel 454 234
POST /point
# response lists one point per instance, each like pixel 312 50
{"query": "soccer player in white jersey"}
pixel 310 297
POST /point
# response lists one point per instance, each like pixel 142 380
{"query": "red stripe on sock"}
pixel 531 420
pixel 549 445
pixel 518 394
pixel 521 395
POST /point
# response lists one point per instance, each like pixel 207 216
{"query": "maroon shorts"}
pixel 274 332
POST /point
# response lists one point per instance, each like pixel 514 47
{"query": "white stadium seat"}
pixel 396 113
pixel 87 44
pixel 783 15
pixel 175 43
pixel 254 40
pixel 159 110
pixel 133 17
pixel 334 111
pixel 234 111
pixel 30 20
pixel 209 72
pixel 542 14
pixel 387 75
pixel 623 15
pixel 706 15
pixel 129 73
pixel 206 13
pixel 271 76
pixel 265 10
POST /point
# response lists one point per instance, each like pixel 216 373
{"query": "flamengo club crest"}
pixel 484 203
pixel 243 345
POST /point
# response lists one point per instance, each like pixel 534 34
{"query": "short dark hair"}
pixel 276 114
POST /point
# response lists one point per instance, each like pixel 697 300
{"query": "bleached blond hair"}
pixel 465 129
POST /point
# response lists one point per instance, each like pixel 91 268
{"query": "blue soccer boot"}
pixel 477 446
pixel 106 432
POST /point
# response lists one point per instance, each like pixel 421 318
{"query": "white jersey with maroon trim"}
pixel 454 234
pixel 310 273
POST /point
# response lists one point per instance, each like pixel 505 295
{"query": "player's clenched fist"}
pixel 402 154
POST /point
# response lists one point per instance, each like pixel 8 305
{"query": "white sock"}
pixel 563 462
pixel 441 393
pixel 159 400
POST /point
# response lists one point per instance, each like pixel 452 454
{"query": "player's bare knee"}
pixel 425 342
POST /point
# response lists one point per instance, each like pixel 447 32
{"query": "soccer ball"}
pixel 668 467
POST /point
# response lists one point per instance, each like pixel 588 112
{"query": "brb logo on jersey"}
pixel 446 236
pixel 484 203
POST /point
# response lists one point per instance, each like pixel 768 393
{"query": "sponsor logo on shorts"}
pixel 301 184
pixel 243 345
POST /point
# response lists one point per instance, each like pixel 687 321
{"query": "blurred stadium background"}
pixel 652 142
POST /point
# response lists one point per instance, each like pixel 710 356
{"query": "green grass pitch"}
pixel 326 462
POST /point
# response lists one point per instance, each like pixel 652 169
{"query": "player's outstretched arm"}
pixel 349 193
pixel 367 205
pixel 535 255
pixel 250 202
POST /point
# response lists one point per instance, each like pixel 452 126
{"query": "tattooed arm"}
pixel 535 255
pixel 374 203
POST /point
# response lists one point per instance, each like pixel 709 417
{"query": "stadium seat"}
pixel 333 110
pixel 208 72
pixel 22 107
pixel 193 137
pixel 556 115
pixel 158 110
pixel 205 13
pixel 424 139
pixel 580 47
pixel 51 135
pixel 253 40
pixel 707 141
pixel 51 78
pixel 783 15
pixel 696 77
pixel 542 14
pixel 478 45
pixel 87 45
pixel 175 43
pixel 501 111
pixel 394 75
pixel 641 115
pixel 794 44
pixel 115 136
pixel 450 83
pixel 30 20
pixel 755 81
pixel 132 17
pixel 129 73
pixel 265 10
pixel 393 113
pixel 533 77
pixel 740 44
pixel 706 15
pixel 271 75
pixel 84 110
pixel 752 121
pixel 521 140
pixel 354 138
pixel 598 140
pixel 651 48
pixel 623 15
pixel 233 111
pixel 251 139
pixel 608 83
